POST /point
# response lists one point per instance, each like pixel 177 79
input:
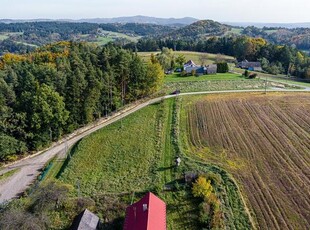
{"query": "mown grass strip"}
pixel 8 174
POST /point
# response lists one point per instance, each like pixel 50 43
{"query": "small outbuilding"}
pixel 190 177
pixel 211 69
pixel 86 220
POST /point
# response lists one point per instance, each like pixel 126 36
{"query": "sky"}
pixel 277 11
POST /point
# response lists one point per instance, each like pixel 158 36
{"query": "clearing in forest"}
pixel 264 141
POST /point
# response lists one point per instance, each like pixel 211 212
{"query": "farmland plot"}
pixel 264 141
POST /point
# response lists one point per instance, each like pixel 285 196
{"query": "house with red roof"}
pixel 149 213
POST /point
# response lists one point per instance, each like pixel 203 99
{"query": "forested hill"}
pixel 63 86
pixel 198 30
pixel 24 37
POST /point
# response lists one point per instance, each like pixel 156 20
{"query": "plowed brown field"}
pixel 264 141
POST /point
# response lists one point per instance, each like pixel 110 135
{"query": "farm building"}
pixel 149 213
pixel 86 220
pixel 254 66
pixel 190 66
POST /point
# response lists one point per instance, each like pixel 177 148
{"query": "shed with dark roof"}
pixel 86 220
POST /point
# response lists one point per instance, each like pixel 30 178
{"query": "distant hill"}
pixel 199 30
pixel 261 25
pixel 133 19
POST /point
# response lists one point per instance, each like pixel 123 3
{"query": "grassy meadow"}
pixel 219 76
pixel 198 57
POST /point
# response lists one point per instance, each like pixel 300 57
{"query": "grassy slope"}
pixel 100 158
pixel 139 157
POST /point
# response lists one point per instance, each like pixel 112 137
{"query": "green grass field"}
pixel 6 35
pixel 281 78
pixel 220 76
pixel 3 37
pixel 8 174
pixel 108 36
pixel 234 31
pixel 198 57
pixel 135 155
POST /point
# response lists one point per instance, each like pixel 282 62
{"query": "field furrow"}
pixel 267 144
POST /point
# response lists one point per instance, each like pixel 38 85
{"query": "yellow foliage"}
pixel 202 188
pixel 10 58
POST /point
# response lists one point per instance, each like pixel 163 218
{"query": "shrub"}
pixel 204 213
pixel 253 75
pixel 193 72
pixel 222 67
pixel 202 188
pixel 214 178
pixel 246 73
pixel 183 73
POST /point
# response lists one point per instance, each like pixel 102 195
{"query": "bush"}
pixel 253 75
pixel 202 188
pixel 204 213
pixel 183 73
pixel 222 67
pixel 193 72
pixel 246 73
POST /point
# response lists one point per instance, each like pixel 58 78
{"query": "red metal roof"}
pixel 149 213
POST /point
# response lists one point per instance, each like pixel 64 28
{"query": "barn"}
pixel 149 213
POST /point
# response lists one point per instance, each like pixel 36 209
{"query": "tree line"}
pixel 62 86
pixel 275 58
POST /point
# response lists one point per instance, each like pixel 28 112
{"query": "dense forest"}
pixel 41 33
pixel 298 37
pixel 60 87
pixel 275 59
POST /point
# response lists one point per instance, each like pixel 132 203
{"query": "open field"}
pixel 281 78
pixel 197 57
pixel 6 35
pixel 109 36
pixel 128 157
pixel 213 85
pixel 137 155
pixel 263 140
pixel 108 145
pixel 236 31
pixel 219 76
